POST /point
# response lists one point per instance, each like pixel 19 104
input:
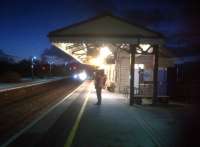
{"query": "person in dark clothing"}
pixel 99 81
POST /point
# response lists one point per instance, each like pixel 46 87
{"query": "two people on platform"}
pixel 100 82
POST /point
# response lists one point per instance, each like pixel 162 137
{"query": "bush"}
pixel 10 76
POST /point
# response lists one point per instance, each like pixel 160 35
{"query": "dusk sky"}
pixel 24 24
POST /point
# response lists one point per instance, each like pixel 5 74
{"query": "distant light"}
pixel 75 76
pixel 96 61
pixel 105 51
pixel 100 59
pixel 145 47
pixel 82 76
pixel 139 66
pixel 33 58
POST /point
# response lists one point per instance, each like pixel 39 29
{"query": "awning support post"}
pixel 132 69
pixel 155 74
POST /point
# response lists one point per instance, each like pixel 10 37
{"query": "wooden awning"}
pixel 78 38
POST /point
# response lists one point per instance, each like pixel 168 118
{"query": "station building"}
pixel 132 56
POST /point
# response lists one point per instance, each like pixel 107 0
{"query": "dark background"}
pixel 24 24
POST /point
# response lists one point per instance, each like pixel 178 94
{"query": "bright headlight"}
pixel 83 76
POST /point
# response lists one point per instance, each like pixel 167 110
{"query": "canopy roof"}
pixel 77 39
pixel 104 27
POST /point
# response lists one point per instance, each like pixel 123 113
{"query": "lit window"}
pixel 139 66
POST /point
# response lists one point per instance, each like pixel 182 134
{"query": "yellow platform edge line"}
pixel 72 134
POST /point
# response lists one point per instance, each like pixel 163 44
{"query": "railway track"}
pixel 17 113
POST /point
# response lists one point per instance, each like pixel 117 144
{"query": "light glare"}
pixel 82 76
pixel 105 51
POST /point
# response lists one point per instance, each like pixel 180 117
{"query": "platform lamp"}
pixel 32 66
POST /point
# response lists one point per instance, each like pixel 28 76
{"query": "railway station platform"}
pixel 76 121
pixel 116 124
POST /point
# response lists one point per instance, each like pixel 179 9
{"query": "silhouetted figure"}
pixel 99 84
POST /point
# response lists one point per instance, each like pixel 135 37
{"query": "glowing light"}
pixel 150 50
pixel 69 44
pixel 94 61
pixel 75 76
pixel 144 46
pixel 105 51
pixel 83 76
pixel 139 66
pixel 97 61
pixel 33 58
pixel 100 59
pixel 139 51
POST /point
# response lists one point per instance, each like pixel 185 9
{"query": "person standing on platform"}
pixel 99 84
